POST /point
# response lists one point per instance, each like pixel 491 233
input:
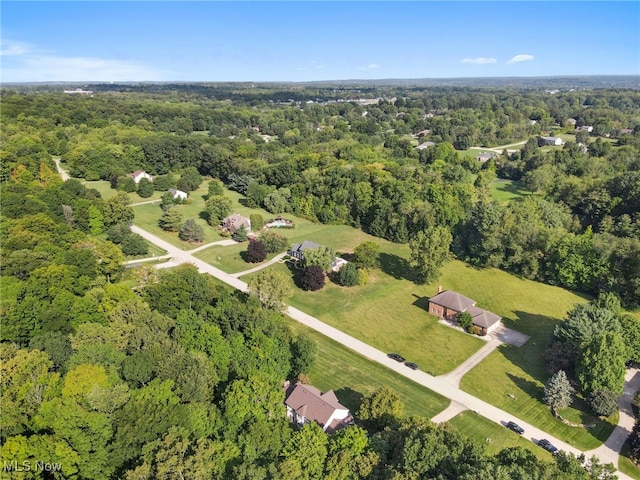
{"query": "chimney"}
pixel 439 288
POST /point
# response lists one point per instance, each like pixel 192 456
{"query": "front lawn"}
pixel 230 258
pixel 494 437
pixel 352 377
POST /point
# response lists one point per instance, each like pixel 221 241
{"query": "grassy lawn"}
pixel 352 377
pixel 228 259
pixel 625 465
pixel 504 191
pixel 494 437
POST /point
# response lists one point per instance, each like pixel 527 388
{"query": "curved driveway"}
pixel 445 387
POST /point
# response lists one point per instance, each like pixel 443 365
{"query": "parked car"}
pixel 546 444
pixel 515 427
pixel 411 365
pixel 398 358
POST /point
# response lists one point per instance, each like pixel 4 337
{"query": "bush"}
pixel 603 402
pixel 313 278
pixel 348 275
pixel 240 235
pixel 256 252
pixel 465 321
pixel 475 330
pixel 363 276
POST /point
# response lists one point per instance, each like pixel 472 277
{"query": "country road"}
pixel 444 385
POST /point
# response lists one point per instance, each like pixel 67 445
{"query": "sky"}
pixel 214 41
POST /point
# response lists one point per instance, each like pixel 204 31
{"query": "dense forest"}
pixel 179 377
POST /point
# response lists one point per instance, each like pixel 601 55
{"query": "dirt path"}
pixel 64 175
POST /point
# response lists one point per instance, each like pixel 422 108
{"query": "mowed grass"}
pixel 534 309
pixel 352 377
pixel 229 259
pixel 494 437
pixel 625 465
pixel 503 191
pixel 390 314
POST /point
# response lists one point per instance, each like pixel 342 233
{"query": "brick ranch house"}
pixel 448 304
pixel 306 404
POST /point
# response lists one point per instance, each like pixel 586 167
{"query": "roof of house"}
pixel 299 247
pixel 483 318
pixel 136 173
pixel 312 404
pixel 424 145
pixel 453 300
pixel 236 220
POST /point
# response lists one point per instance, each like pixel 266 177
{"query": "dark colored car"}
pixel 396 357
pixel 515 427
pixel 546 444
pixel 411 365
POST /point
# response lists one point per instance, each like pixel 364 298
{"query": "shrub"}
pixel 603 402
pixel 240 235
pixel 313 278
pixel 363 276
pixel 367 254
pixel 256 252
pixel 475 330
pixel 348 275
pixel 465 321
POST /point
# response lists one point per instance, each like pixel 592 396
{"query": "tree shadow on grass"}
pixel 350 398
pixel 396 266
pixel 532 389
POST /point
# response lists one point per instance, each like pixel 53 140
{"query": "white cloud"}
pixel 22 63
pixel 10 48
pixel 373 66
pixel 523 57
pixel 479 60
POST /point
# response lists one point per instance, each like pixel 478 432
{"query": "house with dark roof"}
pixel 485 157
pixel 448 304
pixel 234 222
pixel 297 251
pixel 306 404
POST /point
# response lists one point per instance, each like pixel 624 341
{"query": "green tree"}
pixel 190 180
pixel 134 244
pixel 465 321
pixel 322 257
pixel 558 392
pixel 601 364
pixel 117 210
pixel 308 449
pixel 272 287
pixel 303 355
pixel 215 187
pixel 256 252
pixel 367 255
pixel 240 235
pixel 96 220
pixel 216 208
pixel 603 402
pixel 348 275
pixel 145 188
pixel 171 220
pixel 312 278
pixel 257 221
pixel 190 231
pixel 274 242
pixel 381 408
pixel 429 251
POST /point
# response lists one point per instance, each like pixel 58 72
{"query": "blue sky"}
pixel 305 41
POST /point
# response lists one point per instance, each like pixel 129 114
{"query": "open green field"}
pixel 494 437
pixel 352 377
pixel 503 191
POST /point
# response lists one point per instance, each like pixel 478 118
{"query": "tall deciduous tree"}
pixel 117 210
pixel 601 364
pixel 429 251
pixel 256 252
pixel 313 278
pixel 272 287
pixel 322 256
pixel 381 408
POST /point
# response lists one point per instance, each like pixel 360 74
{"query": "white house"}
pixel 178 194
pixel 306 404
pixel 556 141
pixel 139 175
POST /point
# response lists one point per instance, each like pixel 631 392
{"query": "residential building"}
pixel 234 222
pixel 178 194
pixel 556 141
pixel 448 304
pixel 297 251
pixel 306 404
pixel 139 175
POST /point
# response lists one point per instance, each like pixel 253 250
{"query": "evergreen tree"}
pixel 558 392
pixel 145 188
pixel 240 235
pixel 171 220
pixel 191 231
